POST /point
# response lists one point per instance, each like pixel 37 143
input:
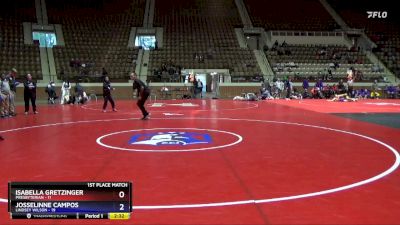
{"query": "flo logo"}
pixel 377 14
pixel 170 138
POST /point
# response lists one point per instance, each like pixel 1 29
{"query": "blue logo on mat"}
pixel 170 138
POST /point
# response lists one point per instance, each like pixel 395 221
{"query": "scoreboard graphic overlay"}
pixel 70 200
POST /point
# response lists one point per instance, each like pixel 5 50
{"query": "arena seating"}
pixel 301 61
pixel 96 36
pixel 308 15
pixel 197 35
pixel 13 52
pixel 205 29
pixel 18 10
pixel 384 32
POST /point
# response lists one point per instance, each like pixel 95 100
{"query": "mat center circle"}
pixel 169 140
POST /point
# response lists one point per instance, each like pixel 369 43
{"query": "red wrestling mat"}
pixel 226 162
pixel 361 106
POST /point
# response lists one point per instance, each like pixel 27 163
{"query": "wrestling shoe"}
pixel 146 117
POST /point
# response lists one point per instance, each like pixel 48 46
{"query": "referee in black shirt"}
pixel 30 94
pixel 143 92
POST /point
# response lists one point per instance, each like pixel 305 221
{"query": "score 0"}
pixel 121 194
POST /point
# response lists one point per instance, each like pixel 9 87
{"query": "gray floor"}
pixel 385 119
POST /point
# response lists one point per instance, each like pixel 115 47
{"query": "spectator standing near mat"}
pixel 65 92
pixel 30 94
pixel 4 96
pixel 107 94
pixel 11 77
